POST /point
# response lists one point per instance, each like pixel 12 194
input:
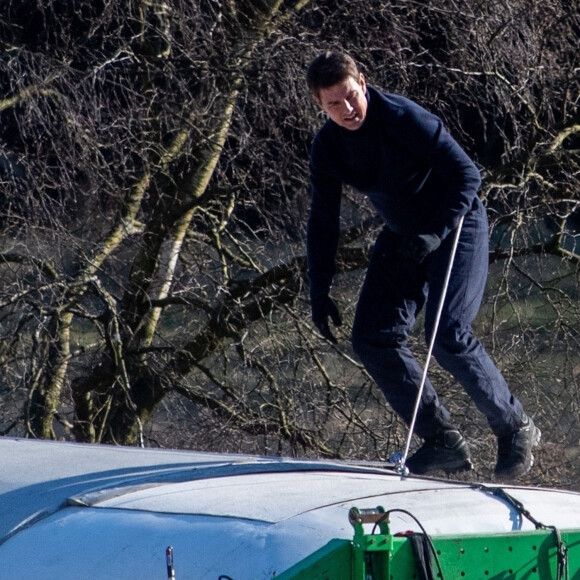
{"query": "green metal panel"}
pixel 331 562
pixel 507 556
pixel 514 556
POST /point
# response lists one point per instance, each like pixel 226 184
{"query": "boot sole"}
pixel 466 465
pixel 536 437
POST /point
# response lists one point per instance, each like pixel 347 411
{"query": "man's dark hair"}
pixel 329 69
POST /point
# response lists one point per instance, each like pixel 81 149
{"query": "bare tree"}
pixel 122 114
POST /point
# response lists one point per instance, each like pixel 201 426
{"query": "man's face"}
pixel 345 103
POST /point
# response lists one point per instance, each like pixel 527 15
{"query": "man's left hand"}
pixel 323 308
pixel 417 248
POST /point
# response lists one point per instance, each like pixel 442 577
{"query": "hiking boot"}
pixel 447 452
pixel 514 451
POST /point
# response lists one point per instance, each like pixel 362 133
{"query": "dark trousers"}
pixel 394 291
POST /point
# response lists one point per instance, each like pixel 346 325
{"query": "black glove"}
pixel 417 248
pixel 322 308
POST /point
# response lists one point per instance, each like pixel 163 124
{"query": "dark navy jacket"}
pixel 415 174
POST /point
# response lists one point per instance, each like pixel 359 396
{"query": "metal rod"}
pixel 401 468
pixel 169 560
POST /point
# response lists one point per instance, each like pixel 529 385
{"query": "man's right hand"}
pixel 324 308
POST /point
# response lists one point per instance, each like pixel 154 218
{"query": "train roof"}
pixel 74 510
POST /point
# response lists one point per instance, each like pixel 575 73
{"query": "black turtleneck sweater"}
pixel 415 174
